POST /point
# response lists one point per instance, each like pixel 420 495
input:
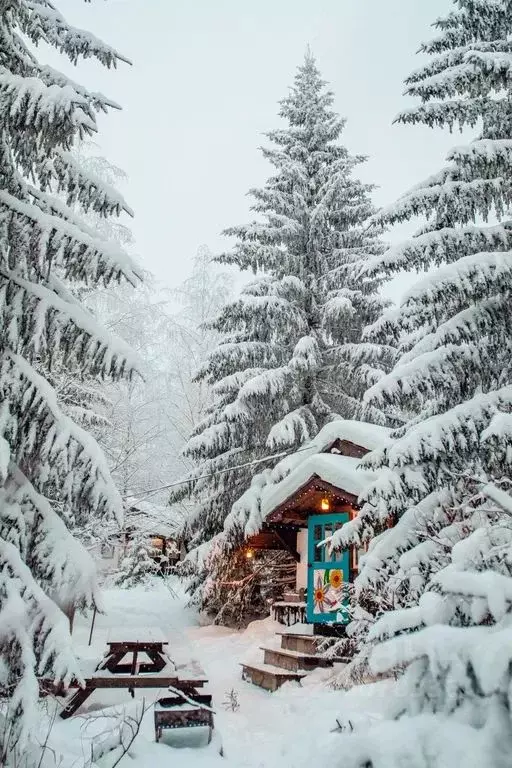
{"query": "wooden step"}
pixel 294 661
pixel 306 630
pixel 302 643
pixel 269 677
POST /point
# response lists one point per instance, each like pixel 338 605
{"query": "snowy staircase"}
pixel 295 657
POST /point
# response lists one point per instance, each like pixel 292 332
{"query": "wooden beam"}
pixel 76 701
pixel 139 681
pixel 293 552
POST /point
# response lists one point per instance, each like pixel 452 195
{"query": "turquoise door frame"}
pixel 327 574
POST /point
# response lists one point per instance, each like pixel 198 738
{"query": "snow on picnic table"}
pixel 285 729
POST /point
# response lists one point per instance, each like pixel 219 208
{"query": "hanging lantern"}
pixel 249 553
pixel 325 505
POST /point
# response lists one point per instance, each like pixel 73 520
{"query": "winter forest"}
pixel 256 384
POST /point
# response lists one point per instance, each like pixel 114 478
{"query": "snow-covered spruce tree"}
pixel 85 398
pixel 138 564
pixel 451 702
pixel 291 357
pixel 454 326
pixel 46 252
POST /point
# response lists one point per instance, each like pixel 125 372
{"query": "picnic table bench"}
pixel 159 671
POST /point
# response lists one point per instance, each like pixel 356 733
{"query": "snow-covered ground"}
pixel 289 728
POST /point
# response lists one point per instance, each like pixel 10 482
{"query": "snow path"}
pixel 279 730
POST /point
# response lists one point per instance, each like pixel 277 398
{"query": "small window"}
pixel 328 555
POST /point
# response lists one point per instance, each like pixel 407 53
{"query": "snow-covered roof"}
pixel 293 471
pixel 340 471
pixel 370 436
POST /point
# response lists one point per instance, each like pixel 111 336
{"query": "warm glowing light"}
pixel 249 554
pixel 325 505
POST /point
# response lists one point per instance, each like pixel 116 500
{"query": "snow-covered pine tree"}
pixel 291 356
pixel 84 397
pixel 138 564
pixel 453 655
pixel 454 325
pixel 46 252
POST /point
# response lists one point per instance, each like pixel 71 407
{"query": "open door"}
pixel 327 574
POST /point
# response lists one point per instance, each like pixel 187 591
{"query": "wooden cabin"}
pixel 157 524
pixel 316 496
pixel 305 508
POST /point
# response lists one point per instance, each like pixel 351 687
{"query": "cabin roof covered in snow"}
pixel 340 471
pixel 370 436
pixel 271 487
pixel 367 436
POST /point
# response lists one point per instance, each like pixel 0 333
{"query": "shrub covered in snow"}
pixel 138 564
pixel 452 655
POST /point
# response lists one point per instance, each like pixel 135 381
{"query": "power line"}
pixel 152 491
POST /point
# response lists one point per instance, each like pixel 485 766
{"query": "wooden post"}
pixel 70 613
pixel 92 625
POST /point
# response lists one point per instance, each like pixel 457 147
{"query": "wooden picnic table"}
pixel 121 642
pixel 159 672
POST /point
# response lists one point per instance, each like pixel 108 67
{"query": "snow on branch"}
pixel 60 322
pixel 451 432
pixel 484 154
pixel 440 246
pixel 51 76
pixel 44 23
pixel 487 321
pixel 498 496
pixel 474 277
pixel 272 383
pixel 422 375
pixel 479 71
pixel 494 588
pixel 29 98
pixel 55 431
pixel 82 256
pixel 295 428
pixel 64 566
pixel 446 113
pixel 81 185
pixel 453 199
pixel 454 56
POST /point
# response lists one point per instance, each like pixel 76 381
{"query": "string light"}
pixel 338 497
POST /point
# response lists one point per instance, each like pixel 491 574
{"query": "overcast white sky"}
pixel 204 86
